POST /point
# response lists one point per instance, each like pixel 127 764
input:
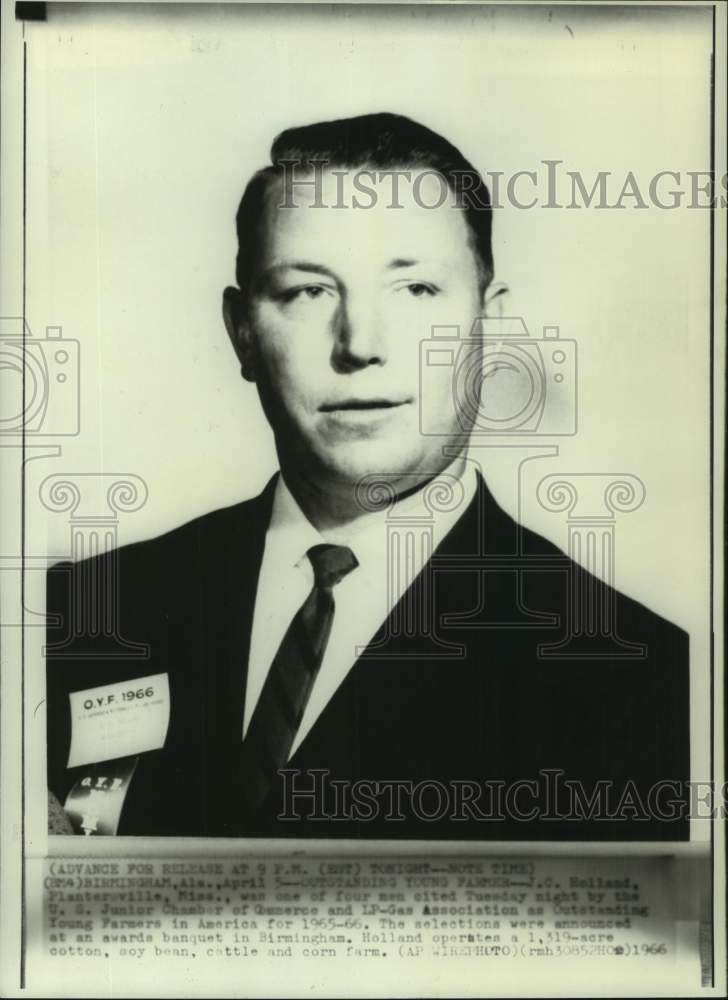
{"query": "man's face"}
pixel 341 301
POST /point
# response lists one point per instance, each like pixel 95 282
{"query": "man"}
pixel 372 647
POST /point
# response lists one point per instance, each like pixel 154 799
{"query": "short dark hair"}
pixel 385 141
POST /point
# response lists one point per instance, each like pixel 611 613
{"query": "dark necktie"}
pixel 277 716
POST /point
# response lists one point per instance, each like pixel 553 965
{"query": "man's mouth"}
pixel 356 405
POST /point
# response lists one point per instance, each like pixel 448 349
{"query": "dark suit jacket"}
pixel 532 670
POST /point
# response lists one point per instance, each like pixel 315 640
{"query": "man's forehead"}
pixel 362 204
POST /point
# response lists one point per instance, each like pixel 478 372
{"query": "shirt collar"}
pixel 290 533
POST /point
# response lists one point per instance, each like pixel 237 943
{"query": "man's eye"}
pixel 302 292
pixel 419 289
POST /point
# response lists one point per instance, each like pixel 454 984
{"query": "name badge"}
pixel 95 802
pixel 119 720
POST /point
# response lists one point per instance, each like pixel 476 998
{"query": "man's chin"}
pixel 362 464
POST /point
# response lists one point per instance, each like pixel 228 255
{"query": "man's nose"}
pixel 359 338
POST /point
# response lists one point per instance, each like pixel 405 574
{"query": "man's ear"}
pixel 493 299
pixel 236 323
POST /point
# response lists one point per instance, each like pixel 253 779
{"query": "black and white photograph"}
pixel 363 420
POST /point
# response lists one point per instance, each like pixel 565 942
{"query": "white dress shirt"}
pixel 363 599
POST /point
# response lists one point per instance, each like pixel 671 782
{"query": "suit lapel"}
pixel 231 552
